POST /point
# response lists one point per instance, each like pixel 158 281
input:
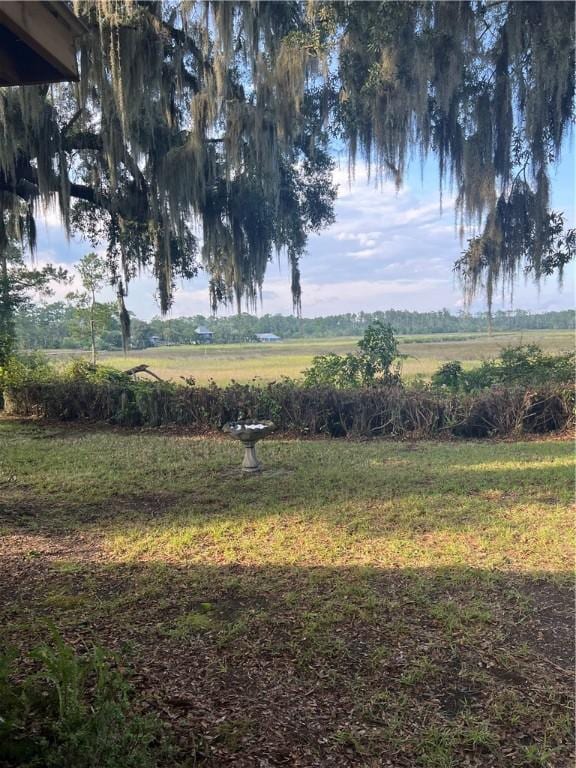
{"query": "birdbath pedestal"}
pixel 249 432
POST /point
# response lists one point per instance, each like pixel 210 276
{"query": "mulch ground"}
pixel 258 699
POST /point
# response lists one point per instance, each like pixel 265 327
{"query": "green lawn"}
pixel 369 604
pixel 267 362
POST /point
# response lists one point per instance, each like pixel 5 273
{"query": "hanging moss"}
pixel 185 114
pixel 212 120
pixel 488 89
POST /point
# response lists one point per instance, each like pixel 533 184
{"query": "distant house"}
pixel 157 341
pixel 266 337
pixel 203 335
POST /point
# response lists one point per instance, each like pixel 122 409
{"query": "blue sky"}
pixel 386 250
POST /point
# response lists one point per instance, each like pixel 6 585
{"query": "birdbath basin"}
pixel 249 432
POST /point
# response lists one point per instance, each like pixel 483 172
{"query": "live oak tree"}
pixel 488 89
pixel 184 115
pixel 516 237
pixel 199 133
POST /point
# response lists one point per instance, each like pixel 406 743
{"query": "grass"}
pixel 356 603
pixel 244 362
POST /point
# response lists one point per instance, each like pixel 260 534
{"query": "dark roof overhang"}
pixel 37 42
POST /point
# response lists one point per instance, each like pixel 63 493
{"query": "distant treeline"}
pixel 57 326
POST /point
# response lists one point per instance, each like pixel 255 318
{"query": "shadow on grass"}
pixel 324 666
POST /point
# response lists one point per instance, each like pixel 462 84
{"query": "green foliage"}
pixel 214 124
pixel 517 232
pixel 82 370
pixel 72 711
pixel 340 371
pixel 466 81
pixel 525 364
pixel 26 368
pixel 522 391
pixel 65 325
pixel 100 316
pixel 448 376
pixel 93 272
pixel 92 316
pixel 17 284
pixel 378 352
pixel 373 365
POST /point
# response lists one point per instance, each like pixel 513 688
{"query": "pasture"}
pixel 363 604
pixel 268 362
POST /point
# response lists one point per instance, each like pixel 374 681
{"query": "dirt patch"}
pixel 55 516
pixel 550 630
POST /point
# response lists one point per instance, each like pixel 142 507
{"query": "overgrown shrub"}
pixel 525 364
pixel 372 365
pixel 72 711
pixel 449 376
pixel 80 369
pixel 456 404
pixel 24 369
pixel 341 371
pixel 528 364
pixel 373 411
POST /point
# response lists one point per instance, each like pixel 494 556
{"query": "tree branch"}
pixel 82 140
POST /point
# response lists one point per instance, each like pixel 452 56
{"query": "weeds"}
pixel 73 711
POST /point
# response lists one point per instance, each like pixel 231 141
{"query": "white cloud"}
pixel 367 239
pixel 366 253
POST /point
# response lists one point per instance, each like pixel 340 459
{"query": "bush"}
pixel 371 366
pixel 525 365
pixel 340 371
pixel 80 369
pixel 24 369
pixel 449 376
pixel 72 712
pixel 369 412
pixel 465 404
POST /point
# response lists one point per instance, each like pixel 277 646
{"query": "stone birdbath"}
pixel 249 432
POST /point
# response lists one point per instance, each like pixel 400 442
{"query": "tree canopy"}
pixel 199 133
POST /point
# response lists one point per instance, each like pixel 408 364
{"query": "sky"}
pixel 387 249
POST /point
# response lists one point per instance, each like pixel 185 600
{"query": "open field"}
pixel 362 604
pixel 244 362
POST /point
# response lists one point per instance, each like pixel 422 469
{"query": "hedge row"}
pixel 391 411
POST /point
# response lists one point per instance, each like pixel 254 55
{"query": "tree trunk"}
pixel 93 329
pixel 6 310
pixel 490 324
